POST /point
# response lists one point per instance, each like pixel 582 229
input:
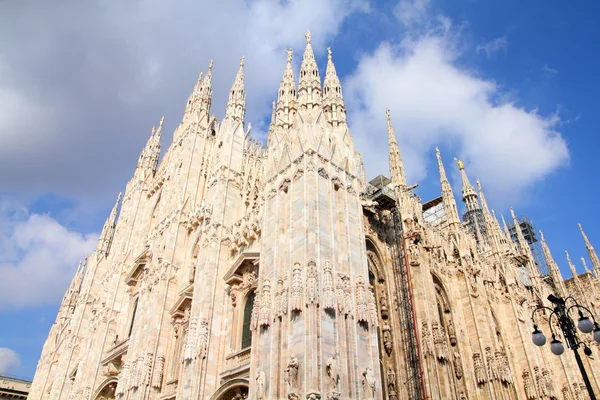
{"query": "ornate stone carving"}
pixel 566 392
pixel 480 376
pixel 312 284
pixel 265 304
pixel 203 336
pixel 492 368
pixel 362 305
pixel 323 173
pixel 158 372
pixel 296 287
pixel 413 254
pixel 451 332
pixel 383 305
pixel 374 317
pixel 368 383
pixel 426 338
pixel 391 384
pixel 503 367
pixel 281 298
pixel 328 290
pixel 530 391
pixel 388 344
pixel 439 339
pixel 188 351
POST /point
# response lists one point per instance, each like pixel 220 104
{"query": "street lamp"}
pixel 567 326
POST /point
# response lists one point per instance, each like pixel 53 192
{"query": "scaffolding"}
pixel 380 192
pixel 528 231
pixel 473 221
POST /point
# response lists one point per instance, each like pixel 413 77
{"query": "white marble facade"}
pixel 231 270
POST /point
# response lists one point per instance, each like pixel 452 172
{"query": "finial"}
pixel 542 236
pixel 329 53
pixel 437 151
pixel 210 64
pixel 307 36
pixel 478 184
pixel 461 165
pixel 289 55
pixel 387 116
pixel 160 124
pixel 242 61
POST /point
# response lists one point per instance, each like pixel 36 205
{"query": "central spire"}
pixel 236 105
pixel 396 165
pixel 309 87
pixel 591 253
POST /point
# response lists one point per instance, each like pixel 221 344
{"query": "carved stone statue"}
pixel 368 383
pixel 333 372
pixel 260 384
pixel 291 372
pixel 391 384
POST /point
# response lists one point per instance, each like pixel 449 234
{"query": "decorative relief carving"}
pixel 333 372
pixel 265 304
pixel 427 342
pixel 457 361
pixel 480 376
pixel 391 384
pixel 328 289
pixel 439 339
pixel 281 298
pixel 296 287
pixel 312 284
pixel 492 368
pixel 362 305
pixel 203 337
pixel 158 372
pixel 503 367
pixel 374 317
pixel 383 305
pixel 530 391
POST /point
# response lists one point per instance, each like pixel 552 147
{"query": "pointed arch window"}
pixel 246 331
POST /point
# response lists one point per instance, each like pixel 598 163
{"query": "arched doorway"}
pixel 106 391
pixel 235 389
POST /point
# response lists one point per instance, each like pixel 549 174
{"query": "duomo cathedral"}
pixel 230 269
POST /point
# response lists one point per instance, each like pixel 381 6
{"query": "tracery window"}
pixel 246 331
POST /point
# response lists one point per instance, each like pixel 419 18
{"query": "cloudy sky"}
pixel 508 87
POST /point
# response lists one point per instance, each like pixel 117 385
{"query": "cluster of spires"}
pixel 492 226
pixel 310 94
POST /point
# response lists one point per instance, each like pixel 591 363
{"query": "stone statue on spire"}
pixel 307 36
pixel 329 53
pixel 289 55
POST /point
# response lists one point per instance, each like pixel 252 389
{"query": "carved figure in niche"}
pixel 458 369
pixel 297 287
pixel 387 338
pixel 391 379
pixel 368 383
pixel 383 305
pixel 333 372
pixel 451 332
pixel 260 384
pixel 291 374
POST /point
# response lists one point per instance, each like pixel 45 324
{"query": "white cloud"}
pixel 436 100
pixel 412 12
pixel 9 361
pixel 549 70
pixel 104 73
pixel 39 257
pixel 493 46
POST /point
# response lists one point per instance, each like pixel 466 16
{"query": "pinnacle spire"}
pixel 287 105
pixel 571 266
pixel 468 192
pixel 236 105
pixel 333 101
pixel 585 265
pixel 553 269
pixel 109 229
pixel 309 86
pixel 396 165
pixel 200 98
pixel 591 253
pixel 447 194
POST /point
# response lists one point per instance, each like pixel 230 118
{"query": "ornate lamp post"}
pixel 567 326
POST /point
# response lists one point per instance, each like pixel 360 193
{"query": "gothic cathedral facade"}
pixel 234 270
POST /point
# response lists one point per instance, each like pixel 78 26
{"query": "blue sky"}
pixel 508 86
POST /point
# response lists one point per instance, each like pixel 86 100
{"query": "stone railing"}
pixel 238 359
